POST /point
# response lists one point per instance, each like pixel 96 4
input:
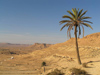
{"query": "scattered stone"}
pixel 12 57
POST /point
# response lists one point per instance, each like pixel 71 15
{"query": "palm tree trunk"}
pixel 77 50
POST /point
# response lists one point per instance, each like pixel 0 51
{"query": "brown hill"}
pixel 89 40
pixel 38 46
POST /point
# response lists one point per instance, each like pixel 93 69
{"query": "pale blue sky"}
pixel 30 21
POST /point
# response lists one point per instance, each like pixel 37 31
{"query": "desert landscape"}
pixel 27 59
pixel 49 37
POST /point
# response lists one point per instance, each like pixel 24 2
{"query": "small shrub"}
pixel 56 72
pixel 43 63
pixel 76 71
pixel 84 65
pixel 12 53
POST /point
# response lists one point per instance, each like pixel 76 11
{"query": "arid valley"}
pixel 27 59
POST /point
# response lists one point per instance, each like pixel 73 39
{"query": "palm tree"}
pixel 76 21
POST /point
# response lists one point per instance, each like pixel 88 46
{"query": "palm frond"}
pixel 77 19
pixel 64 21
pixel 87 21
pixel 71 14
pixel 82 14
pixel 69 29
pixel 87 25
pixel 64 26
pixel 73 10
pixel 79 31
pixel 68 34
pixel 66 16
pixel 85 18
pixel 83 30
pixel 76 13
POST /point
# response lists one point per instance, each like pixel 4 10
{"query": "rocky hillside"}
pixel 38 46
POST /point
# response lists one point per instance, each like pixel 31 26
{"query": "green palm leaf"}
pixel 85 18
pixel 83 14
pixel 76 13
pixel 87 21
pixel 76 19
pixel 71 14
pixel 64 21
pixel 87 25
pixel 66 16
pixel 73 10
pixel 80 12
pixel 64 26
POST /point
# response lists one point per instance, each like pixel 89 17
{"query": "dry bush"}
pixel 56 72
pixel 75 71
pixel 43 63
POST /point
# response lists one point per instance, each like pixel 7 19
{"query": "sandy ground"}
pixel 61 56
pixel 55 57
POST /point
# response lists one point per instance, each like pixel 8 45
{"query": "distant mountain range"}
pixel 13 45
pixel 35 46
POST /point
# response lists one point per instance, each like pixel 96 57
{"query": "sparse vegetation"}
pixel 12 53
pixel 43 65
pixel 56 72
pixel 75 71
